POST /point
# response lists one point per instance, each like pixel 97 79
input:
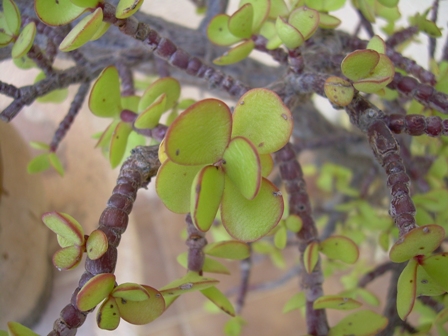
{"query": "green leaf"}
pixel 297 301
pixel 288 34
pixel 23 62
pixel 294 223
pixel 97 244
pixel 39 145
pixel 104 140
pixel 102 29
pixel 338 91
pixel 67 258
pixel 108 316
pixel 325 5
pixel 200 134
pixel 218 31
pixel 367 10
pixel 340 248
pixel 86 3
pixel 142 312
pixel 360 323
pixel 210 265
pixel 389 3
pixel 57 13
pixel 130 103
pixel 427 286
pixel 328 21
pixel 406 289
pixel 55 96
pixel 219 299
pixel 336 302
pixel 127 8
pixel 377 43
pixel 233 326
pixel 166 85
pixel 267 164
pixel 383 240
pixel 261 117
pixel 16 329
pixel 24 41
pixel 173 185
pixel 65 226
pixel 56 163
pixel 83 31
pixel 305 20
pixel 278 8
pixel 311 256
pixel 381 75
pixel 249 220
pixel 359 64
pixel 261 11
pixel 437 268
pixel 12 16
pixel 118 143
pixel 206 194
pixel 281 238
pixel 104 99
pixel 192 281
pixel 94 291
pixel 130 292
pixel 240 23
pixel 420 241
pixel 367 296
pixel 236 54
pixel 150 117
pixel 38 164
pixel 228 249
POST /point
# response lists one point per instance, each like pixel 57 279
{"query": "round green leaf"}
pixel 293 223
pixel 377 43
pixel 55 96
pixel 16 329
pixel 5 39
pixel 288 34
pixel 218 31
pixel 65 226
pixel 108 316
pixel 118 143
pixel 338 91
pixel 261 12
pixel 241 164
pixel 407 289
pixel 249 220
pixel 166 85
pixel 130 292
pixel 206 194
pixel 311 256
pixel 12 16
pixel 305 20
pixel 150 117
pixel 85 3
pixel 173 185
pixel 210 265
pixel 102 29
pixel 267 164
pixel 328 21
pixel 240 23
pixel 278 8
pixel 130 103
pixel 219 299
pixel 192 281
pixel 97 244
pixel 104 140
pixel 340 248
pixel 228 249
pixel 24 41
pixel 360 323
pixel 57 13
pixel 94 291
pixel 381 75
pixel 437 268
pixel 336 302
pixel 23 62
pixel 281 238
pixel 261 117
pixel 83 31
pixel 236 54
pixel 38 164
pixel 63 242
pixel 420 241
pixel 67 258
pixel 56 163
pixel 126 8
pixel 366 7
pixel 200 134
pixel 142 312
pixel 295 302
pixel 359 64
pixel 104 99
pixel 427 286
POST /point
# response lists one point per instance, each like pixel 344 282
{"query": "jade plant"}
pixel 371 198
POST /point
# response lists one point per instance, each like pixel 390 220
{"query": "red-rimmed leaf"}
pixel 288 34
pixel 261 12
pixel 249 220
pixel 67 258
pixel 65 226
pixel 377 79
pixel 359 64
pixel 219 299
pixel 267 164
pixel 118 143
pixel 437 268
pixel 94 291
pixel 104 99
pixel 57 13
pixel 126 8
pixel 172 176
pixel 339 91
pixel 340 248
pixel 407 289
pixel 97 244
pixel 166 85
pixel 150 117
pixel 12 16
pixel 377 43
pixel 240 23
pixel 228 249
pixel 24 41
pixel 305 20
pixel 328 21
pixel 218 31
pixel 338 302
pixel 104 140
pixel 108 316
pixel 311 256
pixel 236 54
pixel 130 292
pixel 206 194
pixel 200 134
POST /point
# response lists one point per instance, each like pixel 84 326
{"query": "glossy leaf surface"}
pixel 94 291
pixel 200 134
pixel 360 323
pixel 108 316
pixel 97 244
pixel 261 117
pixel 407 289
pixel 219 299
pixel 57 13
pixel 65 226
pixel 228 249
pixel 206 194
pixel 104 99
pixel 249 220
pixel 340 248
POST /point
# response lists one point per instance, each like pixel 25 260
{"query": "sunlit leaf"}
pixel 24 41
pixel 200 134
pixel 102 29
pixel 360 323
pixel 328 21
pixel 311 256
pixel 359 64
pixel 249 220
pixel 57 13
pixel 65 226
pixel 240 23
pixel 261 117
pixel 219 299
pixel 126 8
pixel 130 292
pixel 94 291
pixel 228 249
pixel 305 20
pixel 288 34
pixel 340 248
pixel 261 11
pixel 118 143
pixel 377 43
pixel 67 258
pixel 55 96
pixel 150 117
pixel 338 91
pixel 166 85
pixel 218 31
pixel 406 289
pixel 236 54
pixel 16 329
pixel 336 302
pixel 295 302
pixel 96 244
pixel 206 194
pixel 108 316
pixel 104 99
